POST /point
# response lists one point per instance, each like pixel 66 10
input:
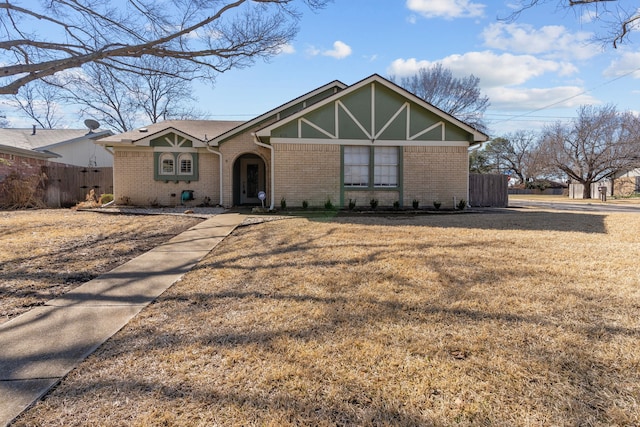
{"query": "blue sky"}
pixel 535 70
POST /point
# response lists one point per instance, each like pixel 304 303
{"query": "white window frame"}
pixel 161 163
pixel 356 166
pixel 187 158
pixel 385 167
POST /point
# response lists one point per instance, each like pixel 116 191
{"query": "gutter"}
pixel 219 154
pixel 272 171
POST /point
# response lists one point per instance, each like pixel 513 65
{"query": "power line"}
pixel 570 97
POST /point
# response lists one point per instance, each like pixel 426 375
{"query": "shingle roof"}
pixel 26 140
pixel 196 128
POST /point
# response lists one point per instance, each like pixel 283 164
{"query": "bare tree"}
pixel 101 93
pixel 122 100
pixel 161 97
pixel 211 36
pixel 39 102
pixel 597 144
pixel 517 152
pixel 460 97
pixel 618 17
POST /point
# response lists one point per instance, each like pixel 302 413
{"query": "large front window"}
pixel 356 166
pixel 385 169
pixel 365 165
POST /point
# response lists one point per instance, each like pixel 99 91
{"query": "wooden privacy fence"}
pixel 488 190
pixel 67 185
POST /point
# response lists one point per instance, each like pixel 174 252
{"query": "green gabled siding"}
pixel 290 130
pixel 395 118
pixel 309 131
pixel 422 119
pixel 291 110
pixel 396 130
pixel 325 118
pixel 319 97
pixel 348 129
pixel 359 105
pixel 162 141
pixel 387 105
pixel 454 133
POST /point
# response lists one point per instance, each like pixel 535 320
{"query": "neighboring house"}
pixel 621 184
pixel 626 183
pixel 69 146
pixel 370 140
pixel 58 156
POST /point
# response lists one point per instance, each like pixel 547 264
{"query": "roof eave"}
pixel 247 125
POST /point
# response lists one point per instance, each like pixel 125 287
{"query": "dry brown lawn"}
pixel 45 253
pixel 527 318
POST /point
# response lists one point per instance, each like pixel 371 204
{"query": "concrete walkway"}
pixel 40 347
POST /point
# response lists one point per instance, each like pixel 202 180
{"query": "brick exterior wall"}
pixel 231 151
pixel 23 165
pixel 307 172
pixel 134 182
pixel 435 173
pixel 133 172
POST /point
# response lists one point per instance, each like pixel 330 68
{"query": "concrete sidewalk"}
pixel 40 347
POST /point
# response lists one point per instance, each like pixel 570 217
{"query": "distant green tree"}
pixel 479 162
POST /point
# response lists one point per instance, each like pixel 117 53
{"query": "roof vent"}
pixel 143 130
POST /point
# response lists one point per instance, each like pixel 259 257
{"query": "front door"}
pixel 251 180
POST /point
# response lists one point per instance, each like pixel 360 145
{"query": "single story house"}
pixel 623 184
pixel 26 149
pixel 370 140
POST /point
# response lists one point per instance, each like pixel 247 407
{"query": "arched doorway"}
pixel 249 178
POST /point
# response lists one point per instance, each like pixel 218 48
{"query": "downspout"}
pixel 273 169
pixel 219 154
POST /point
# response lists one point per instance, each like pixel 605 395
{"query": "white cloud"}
pixel 534 98
pixel 340 50
pixel 286 49
pixel 550 40
pixel 493 70
pixel 447 9
pixel 629 62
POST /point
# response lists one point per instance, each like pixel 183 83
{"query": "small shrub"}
pixel 283 203
pixel 416 203
pixel 437 204
pixel 23 192
pixel 125 201
pixel 352 204
pixel 396 205
pixel 462 204
pixel 374 203
pixel 105 198
pixel 206 202
pixel 305 204
pixel 328 204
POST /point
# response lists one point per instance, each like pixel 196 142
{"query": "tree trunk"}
pixel 586 190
